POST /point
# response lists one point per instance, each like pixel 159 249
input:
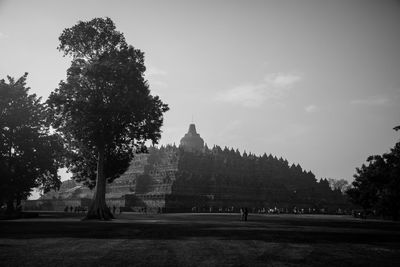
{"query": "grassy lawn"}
pixel 200 240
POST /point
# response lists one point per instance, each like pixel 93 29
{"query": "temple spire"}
pixel 192 140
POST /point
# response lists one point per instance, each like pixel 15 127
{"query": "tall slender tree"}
pixel 104 109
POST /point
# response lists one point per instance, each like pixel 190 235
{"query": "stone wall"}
pixel 54 204
pixel 60 204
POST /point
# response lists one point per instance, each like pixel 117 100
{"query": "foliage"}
pixel 341 184
pixel 104 110
pixel 377 185
pixel 29 155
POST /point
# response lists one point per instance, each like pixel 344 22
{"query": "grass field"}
pixel 200 240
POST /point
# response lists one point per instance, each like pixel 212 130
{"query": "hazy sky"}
pixel 316 82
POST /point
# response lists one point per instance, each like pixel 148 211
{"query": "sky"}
pixel 314 82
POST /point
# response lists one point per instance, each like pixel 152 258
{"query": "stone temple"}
pixel 194 177
pixel 148 182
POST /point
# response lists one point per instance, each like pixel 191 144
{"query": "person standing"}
pixel 246 212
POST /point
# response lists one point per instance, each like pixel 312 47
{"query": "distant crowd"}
pixel 274 210
pixel 80 209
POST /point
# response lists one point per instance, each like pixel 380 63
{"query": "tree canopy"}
pixel 377 185
pixel 338 184
pixel 104 109
pixel 29 155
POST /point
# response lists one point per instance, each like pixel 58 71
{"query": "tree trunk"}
pixel 18 205
pixel 10 206
pixel 98 208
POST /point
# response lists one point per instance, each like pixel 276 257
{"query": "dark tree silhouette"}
pixel 377 185
pixel 29 155
pixel 104 110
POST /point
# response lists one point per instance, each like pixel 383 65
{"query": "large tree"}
pixel 104 109
pixel 377 184
pixel 29 155
pixel 340 184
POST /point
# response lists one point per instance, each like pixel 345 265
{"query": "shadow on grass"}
pixel 275 230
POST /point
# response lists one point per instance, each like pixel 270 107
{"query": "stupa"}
pixel 192 140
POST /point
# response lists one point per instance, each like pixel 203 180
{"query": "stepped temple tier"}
pixel 192 177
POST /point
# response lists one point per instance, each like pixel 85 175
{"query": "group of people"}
pixel 244 212
pixel 78 209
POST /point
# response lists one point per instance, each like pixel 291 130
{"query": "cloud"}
pixel 282 80
pixel 3 35
pixel 371 101
pixel 158 84
pixel 153 71
pixel 311 108
pixel 249 95
pixel 275 87
pixel 153 75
